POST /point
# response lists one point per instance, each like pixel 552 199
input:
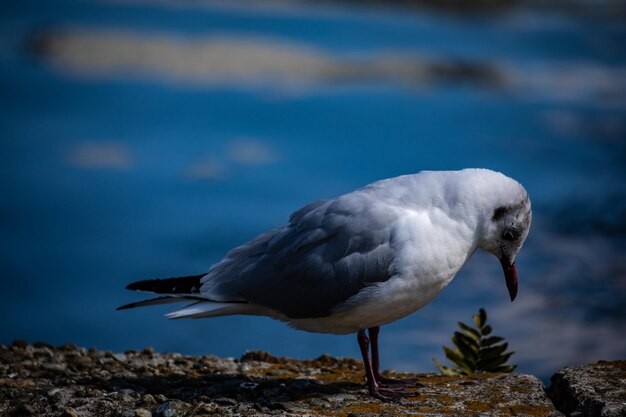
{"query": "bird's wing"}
pixel 328 252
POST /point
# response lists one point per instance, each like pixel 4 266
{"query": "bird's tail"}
pixel 180 289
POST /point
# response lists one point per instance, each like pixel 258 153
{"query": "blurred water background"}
pixel 144 139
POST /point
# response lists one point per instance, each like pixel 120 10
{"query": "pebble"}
pixel 203 408
pixel 290 407
pixel 128 391
pixel 20 344
pixel 225 401
pixel 142 412
pixel 338 398
pixel 58 368
pixel 160 398
pixel 23 410
pixel 280 373
pixel 82 362
pixel 40 345
pixel 148 400
pixel 55 394
pixel 173 408
pixel 69 412
pixel 69 347
pixel 318 402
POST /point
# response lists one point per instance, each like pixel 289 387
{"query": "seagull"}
pixel 364 259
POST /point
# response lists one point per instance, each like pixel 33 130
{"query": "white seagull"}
pixel 363 259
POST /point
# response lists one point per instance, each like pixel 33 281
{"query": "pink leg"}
pixel 384 381
pixel 377 391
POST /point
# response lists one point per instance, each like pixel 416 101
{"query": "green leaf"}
pixel 492 340
pixel 469 354
pixel 493 363
pixel 466 340
pixel 473 333
pixel 445 370
pixel 458 360
pixel 442 368
pixel 486 330
pixel 505 368
pixel 492 352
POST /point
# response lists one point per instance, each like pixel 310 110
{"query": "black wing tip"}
pixel 126 307
pixel 190 284
pixel 139 285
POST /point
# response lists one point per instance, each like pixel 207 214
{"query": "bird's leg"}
pixel 377 391
pixel 384 381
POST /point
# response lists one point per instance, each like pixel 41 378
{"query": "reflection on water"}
pixel 148 145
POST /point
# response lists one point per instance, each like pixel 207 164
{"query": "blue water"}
pixel 74 232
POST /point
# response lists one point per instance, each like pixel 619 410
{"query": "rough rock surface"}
pixel 68 381
pixel 595 390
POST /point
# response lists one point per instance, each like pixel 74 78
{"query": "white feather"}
pixel 203 309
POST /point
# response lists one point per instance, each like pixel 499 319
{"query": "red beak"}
pixel 510 274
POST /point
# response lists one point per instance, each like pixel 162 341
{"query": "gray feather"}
pixel 328 252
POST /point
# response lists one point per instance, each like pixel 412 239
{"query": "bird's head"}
pixel 505 228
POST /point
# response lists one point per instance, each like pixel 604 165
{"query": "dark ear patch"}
pixel 499 213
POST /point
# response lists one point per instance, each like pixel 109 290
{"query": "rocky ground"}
pixel 595 390
pixel 44 380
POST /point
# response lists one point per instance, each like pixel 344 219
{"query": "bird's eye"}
pixel 510 235
pixel 499 213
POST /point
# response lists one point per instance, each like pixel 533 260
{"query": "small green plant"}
pixel 476 351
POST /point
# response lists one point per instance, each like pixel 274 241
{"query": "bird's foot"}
pixel 390 394
pixel 387 382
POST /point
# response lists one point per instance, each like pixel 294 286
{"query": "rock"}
pixel 121 357
pixel 68 346
pixel 594 390
pixel 148 400
pixel 43 345
pixel 142 412
pixel 56 395
pixel 290 407
pixel 69 412
pixel 225 401
pixel 20 344
pixel 203 409
pixel 318 402
pixel 303 384
pixel 258 356
pixel 340 398
pixel 23 410
pixel 239 409
pixel 57 368
pixel 160 398
pixel 121 397
pixel 173 408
